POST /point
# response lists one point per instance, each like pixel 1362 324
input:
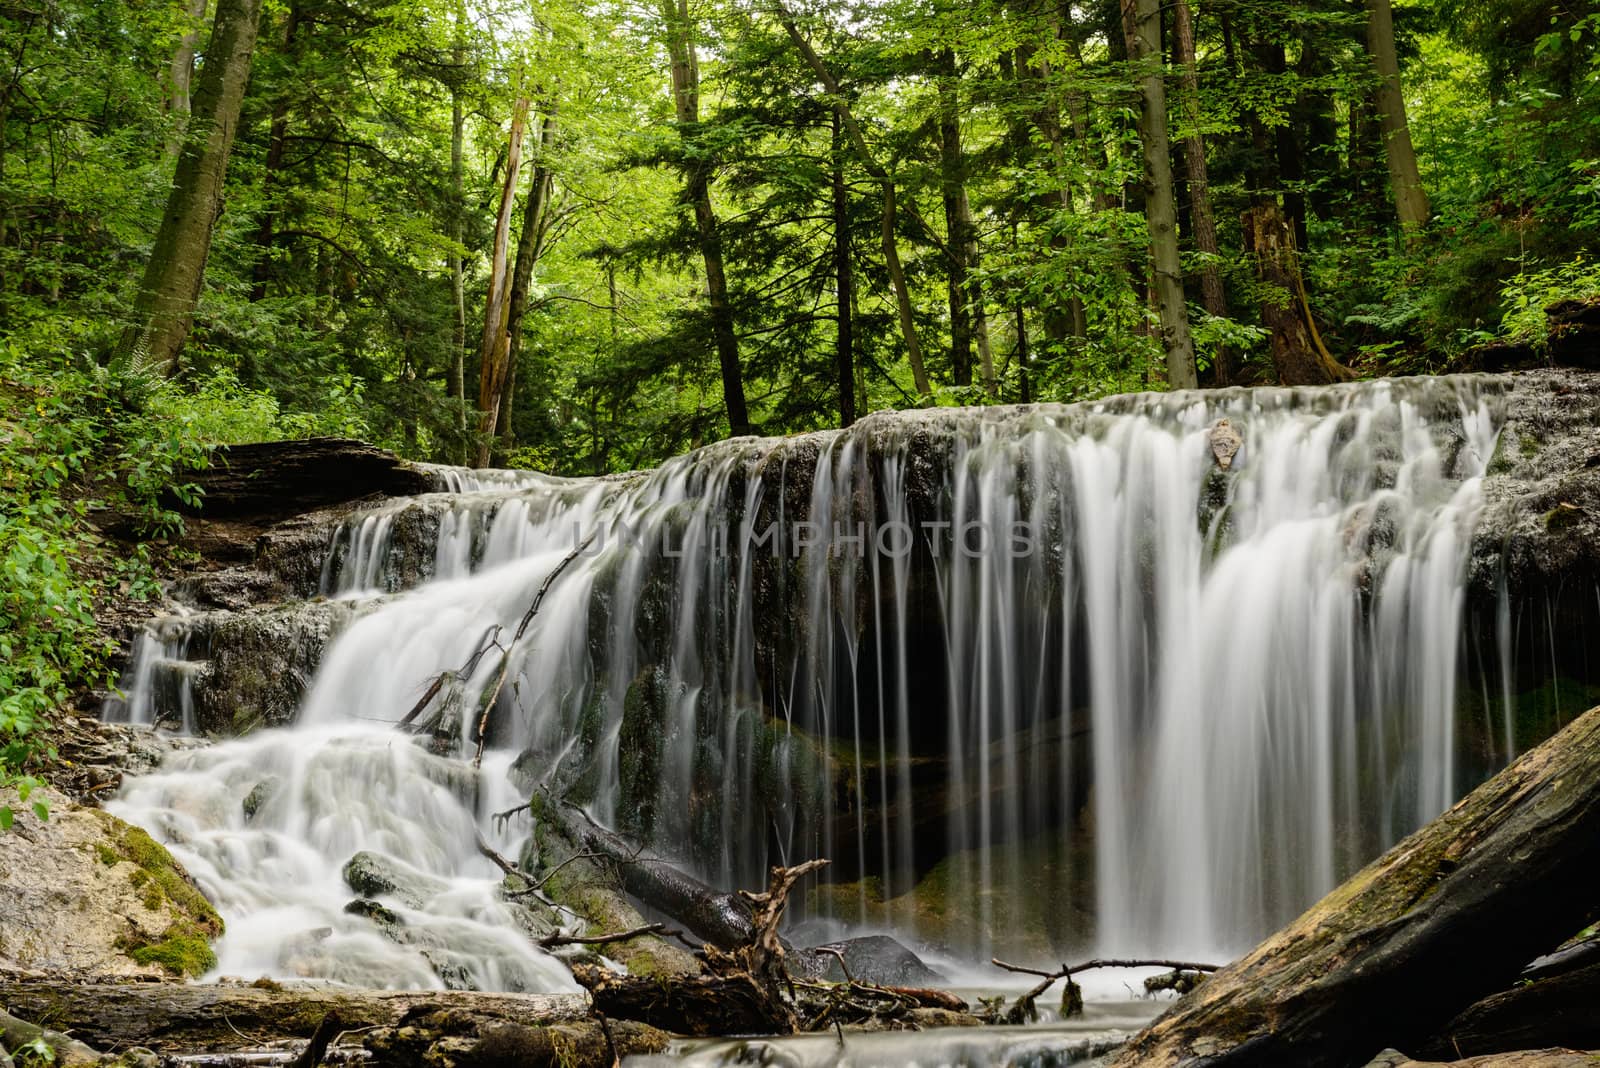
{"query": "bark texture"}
pixel 170 290
pixel 1203 219
pixel 215 1017
pixel 1449 915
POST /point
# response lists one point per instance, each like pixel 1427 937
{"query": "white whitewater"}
pixel 1254 671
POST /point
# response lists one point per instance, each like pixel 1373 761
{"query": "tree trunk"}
pixel 686 106
pixel 277 146
pixel 891 249
pixel 1202 219
pixel 170 290
pixel 210 1018
pixel 180 73
pixel 1410 199
pixel 1298 353
pixel 719 918
pixel 1143 21
pixel 952 191
pixel 1449 915
pixel 530 246
pixel 494 350
pixel 456 383
pixel 844 283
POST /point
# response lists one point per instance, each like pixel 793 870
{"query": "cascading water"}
pixel 971 655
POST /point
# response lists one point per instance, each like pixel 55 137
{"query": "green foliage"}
pixel 1526 295
pixel 329 306
pixel 75 440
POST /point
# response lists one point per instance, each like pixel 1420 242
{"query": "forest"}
pixel 586 237
pixel 381 380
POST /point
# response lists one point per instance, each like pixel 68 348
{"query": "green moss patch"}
pixel 183 948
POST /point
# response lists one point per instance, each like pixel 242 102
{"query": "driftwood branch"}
pixel 490 640
pixel 492 694
pixel 552 941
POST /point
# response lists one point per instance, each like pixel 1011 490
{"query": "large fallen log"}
pixel 176 1017
pixel 1448 916
pixel 1563 1010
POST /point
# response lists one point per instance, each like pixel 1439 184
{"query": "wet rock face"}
pixel 225 673
pixel 87 894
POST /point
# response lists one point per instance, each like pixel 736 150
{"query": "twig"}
pixel 487 704
pixel 558 939
pixel 611 1043
pixel 490 638
pixel 843 967
pixel 1024 1006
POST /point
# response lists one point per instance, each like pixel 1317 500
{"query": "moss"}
pixel 183 953
pixel 183 948
pixel 163 872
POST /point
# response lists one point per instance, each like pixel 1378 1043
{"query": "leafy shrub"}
pixel 1526 295
pixel 74 439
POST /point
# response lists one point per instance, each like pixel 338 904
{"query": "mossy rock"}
pixel 184 946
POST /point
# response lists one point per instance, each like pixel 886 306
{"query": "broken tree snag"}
pixel 1446 917
pixel 763 956
pixel 1298 354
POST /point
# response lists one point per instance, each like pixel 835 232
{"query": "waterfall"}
pixel 1045 673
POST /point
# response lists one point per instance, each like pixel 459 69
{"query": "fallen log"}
pixel 174 1017
pixel 721 919
pixel 696 1005
pixel 1559 1011
pixel 1448 916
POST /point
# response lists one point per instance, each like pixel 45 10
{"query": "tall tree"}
pixel 1142 20
pixel 530 244
pixel 891 248
pixel 1405 180
pixel 685 59
pixel 1203 222
pixel 844 288
pixel 170 290
pixel 180 72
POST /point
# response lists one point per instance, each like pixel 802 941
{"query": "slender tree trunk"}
pixel 1203 221
pixel 953 193
pixel 456 385
pixel 277 147
pixel 1143 21
pixel 170 289
pixel 844 282
pixel 686 106
pixel 1071 321
pixel 970 327
pixel 494 349
pixel 180 73
pixel 530 246
pixel 1410 199
pixel 891 249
